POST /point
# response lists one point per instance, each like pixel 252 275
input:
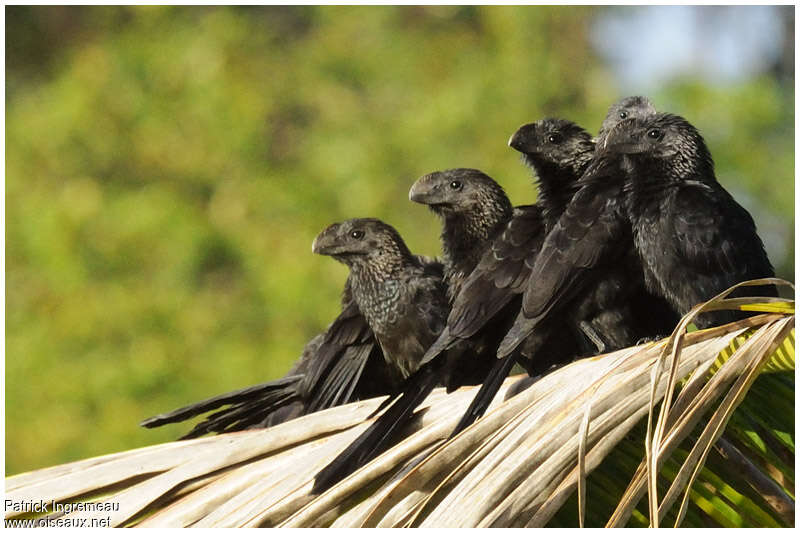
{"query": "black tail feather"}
pixel 242 415
pixel 385 403
pixel 486 394
pixel 237 396
pixel 372 442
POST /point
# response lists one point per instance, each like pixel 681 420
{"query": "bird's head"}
pixel 665 141
pixel 627 108
pixel 360 240
pixel 551 139
pixel 553 143
pixel 458 190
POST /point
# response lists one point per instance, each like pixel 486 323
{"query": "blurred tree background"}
pixel 168 167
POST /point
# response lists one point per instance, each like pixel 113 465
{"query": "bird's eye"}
pixel 654 133
pixel 554 138
pixel 357 234
pixel 455 185
pixel 623 115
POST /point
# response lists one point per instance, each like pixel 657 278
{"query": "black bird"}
pixel 558 151
pixel 503 270
pixel 693 238
pixel 652 316
pixel 473 209
pixel 485 304
pixel 490 298
pixel 607 312
pixel 618 311
pixel 402 297
pixel 590 239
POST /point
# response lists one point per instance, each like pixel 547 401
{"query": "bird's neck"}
pixel 557 183
pixel 465 236
pixel 377 290
pixel 650 183
pixel 383 265
pixel 555 190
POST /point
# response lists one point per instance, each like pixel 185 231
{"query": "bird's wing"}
pixel 339 383
pixel 244 415
pixel 582 237
pixel 349 327
pixel 714 234
pixel 500 275
pixel 430 302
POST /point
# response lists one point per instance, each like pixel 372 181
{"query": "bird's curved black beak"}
pixel 425 190
pixel 521 139
pixel 628 144
pixel 326 242
pixel 625 139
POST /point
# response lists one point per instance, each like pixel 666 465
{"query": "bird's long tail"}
pixel 256 413
pixel 277 390
pixel 375 438
pixel 486 394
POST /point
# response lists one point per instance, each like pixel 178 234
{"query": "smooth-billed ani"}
pixel 602 313
pixel 694 240
pixel 691 239
pixel 402 297
pixel 473 209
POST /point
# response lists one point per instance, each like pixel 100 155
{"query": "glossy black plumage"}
pixel 401 296
pixel 694 240
pixel 473 209
pixel 489 298
pixel 608 311
pixel 691 240
pixel 559 151
pixel 591 233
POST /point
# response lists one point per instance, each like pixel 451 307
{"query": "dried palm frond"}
pixel 647 419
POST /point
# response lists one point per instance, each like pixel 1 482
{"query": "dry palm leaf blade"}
pixel 516 466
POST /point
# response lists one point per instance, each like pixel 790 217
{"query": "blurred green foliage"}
pixel 168 167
